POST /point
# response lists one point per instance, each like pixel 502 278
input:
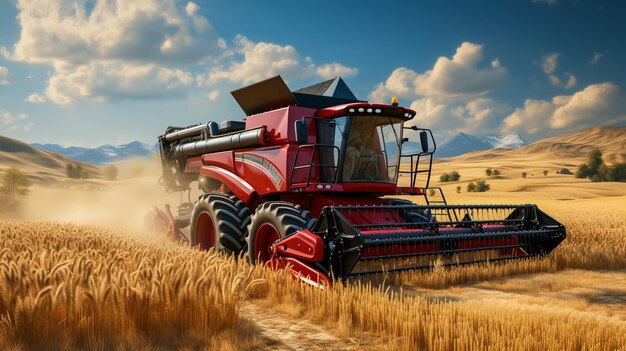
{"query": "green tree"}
pixel 458 189
pixel 594 161
pixel 488 172
pixel 524 174
pixel 545 173
pixel 471 187
pixel 15 183
pixel 444 177
pixel 618 172
pixel 110 172
pixel 583 171
pixel 482 186
pixel 496 172
pixel 454 176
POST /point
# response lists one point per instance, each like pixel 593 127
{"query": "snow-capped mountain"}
pixel 462 143
pixel 507 141
pixel 101 154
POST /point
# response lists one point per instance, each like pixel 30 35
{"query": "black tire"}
pixel 411 215
pixel 227 226
pixel 285 217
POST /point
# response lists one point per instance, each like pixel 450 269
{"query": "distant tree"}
pixel 582 171
pixel 454 176
pixel 471 187
pixel 15 183
pixel 482 186
pixel 618 172
pixel 523 174
pixel 488 172
pixel 431 192
pixel 458 189
pixel 496 172
pixel 594 161
pixel 545 173
pixel 450 177
pixel 110 172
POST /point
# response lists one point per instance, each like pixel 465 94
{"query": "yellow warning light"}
pixel 394 101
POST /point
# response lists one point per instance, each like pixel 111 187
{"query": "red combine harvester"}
pixel 300 184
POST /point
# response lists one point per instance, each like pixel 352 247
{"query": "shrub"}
pixel 488 172
pixel 450 177
pixel 458 189
pixel 471 187
pixel 524 174
pixel 110 172
pixel 545 173
pixel 618 172
pixel 496 172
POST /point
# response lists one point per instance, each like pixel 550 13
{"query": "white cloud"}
pixel 596 58
pixel 457 78
pixel 213 95
pixel 113 50
pixel 116 81
pixel 451 96
pixel 331 70
pixel 597 104
pixel 4 76
pixel 29 126
pixel 67 34
pixel 263 60
pixel 36 99
pixel 549 65
pixel 7 118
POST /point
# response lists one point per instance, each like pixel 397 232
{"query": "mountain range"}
pixel 462 143
pixel 101 154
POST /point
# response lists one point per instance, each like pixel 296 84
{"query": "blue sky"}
pixel 93 72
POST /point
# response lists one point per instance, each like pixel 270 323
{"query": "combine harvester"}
pixel 302 183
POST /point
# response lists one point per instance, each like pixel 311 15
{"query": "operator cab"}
pixel 366 148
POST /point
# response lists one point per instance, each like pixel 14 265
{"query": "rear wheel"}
pixel 273 221
pixel 220 221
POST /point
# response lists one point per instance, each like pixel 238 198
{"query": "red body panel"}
pixel 224 159
pixel 242 189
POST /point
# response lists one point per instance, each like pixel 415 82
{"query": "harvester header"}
pixel 304 182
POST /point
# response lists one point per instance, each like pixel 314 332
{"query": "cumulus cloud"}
pixel 597 104
pixel 213 95
pixel 113 50
pixel 549 65
pixel 451 96
pixel 331 70
pixel 29 126
pixel 596 58
pixel 36 99
pixel 254 62
pixel 68 34
pixel 4 76
pixel 116 81
pixel 459 77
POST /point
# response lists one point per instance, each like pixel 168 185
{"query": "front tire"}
pixel 273 221
pixel 220 221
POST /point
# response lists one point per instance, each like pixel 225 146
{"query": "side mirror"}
pixel 424 140
pixel 302 135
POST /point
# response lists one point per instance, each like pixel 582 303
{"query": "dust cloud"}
pixel 118 205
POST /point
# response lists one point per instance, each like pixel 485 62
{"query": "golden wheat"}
pixel 68 286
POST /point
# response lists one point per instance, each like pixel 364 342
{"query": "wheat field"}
pixel 68 286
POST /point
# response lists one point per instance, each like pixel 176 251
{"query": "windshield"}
pixel 370 148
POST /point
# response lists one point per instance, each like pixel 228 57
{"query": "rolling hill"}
pixel 574 146
pixel 101 154
pixel 41 166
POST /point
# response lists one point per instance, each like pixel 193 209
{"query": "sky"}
pixel 87 73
